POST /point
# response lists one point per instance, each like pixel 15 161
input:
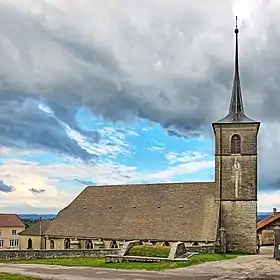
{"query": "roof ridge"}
pixel 150 184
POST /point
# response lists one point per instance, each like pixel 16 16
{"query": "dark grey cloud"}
pixel 172 65
pixel 182 135
pixel 5 188
pixel 85 182
pixel 24 125
pixel 37 191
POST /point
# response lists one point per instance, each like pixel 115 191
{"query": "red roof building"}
pixel 10 220
pixel 265 228
pixel 10 227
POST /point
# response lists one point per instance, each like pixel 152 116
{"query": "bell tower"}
pixel 236 170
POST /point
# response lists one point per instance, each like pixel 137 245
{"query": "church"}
pixel 193 213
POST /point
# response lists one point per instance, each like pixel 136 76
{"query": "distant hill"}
pixel 263 215
pixel 35 216
pixel 31 218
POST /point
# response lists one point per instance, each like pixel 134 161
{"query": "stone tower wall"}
pixel 236 178
pixel 239 219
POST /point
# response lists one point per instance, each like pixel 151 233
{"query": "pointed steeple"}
pixel 236 104
pixel 236 108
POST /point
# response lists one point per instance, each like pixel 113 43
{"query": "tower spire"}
pixel 236 112
pixel 236 104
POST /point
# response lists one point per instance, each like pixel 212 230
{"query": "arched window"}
pixel 165 244
pixel 29 243
pixel 236 144
pixel 67 243
pixel 51 244
pixel 89 244
pixel 114 244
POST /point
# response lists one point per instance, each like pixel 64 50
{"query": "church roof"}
pixel 34 229
pixel 236 112
pixel 173 212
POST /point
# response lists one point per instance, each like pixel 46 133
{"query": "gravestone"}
pixel 177 249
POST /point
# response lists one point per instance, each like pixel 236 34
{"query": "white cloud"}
pixel 25 175
pixel 146 57
pixel 156 149
pixel 112 143
pixel 184 157
pixel 268 200
pixel 137 35
pixel 150 57
pixel 170 173
pixel 18 151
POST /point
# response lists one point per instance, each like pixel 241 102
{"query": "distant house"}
pixel 34 237
pixel 10 227
pixel 265 228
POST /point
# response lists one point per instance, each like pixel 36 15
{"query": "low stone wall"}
pixel 203 249
pixel 44 254
pixel 118 259
pixel 127 245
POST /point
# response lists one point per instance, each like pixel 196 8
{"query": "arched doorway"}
pixel 52 244
pixel 89 244
pixel 114 244
pixel 29 243
pixel 67 243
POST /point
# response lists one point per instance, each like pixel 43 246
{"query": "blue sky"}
pixel 139 152
pixel 116 92
pixel 146 146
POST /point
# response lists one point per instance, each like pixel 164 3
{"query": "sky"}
pixel 124 91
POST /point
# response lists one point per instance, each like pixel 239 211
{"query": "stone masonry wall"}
pixel 248 135
pixel 239 219
pixel 225 162
pixel 43 254
pixel 236 177
pixel 246 180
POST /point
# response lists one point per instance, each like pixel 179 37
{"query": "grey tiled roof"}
pixel 180 211
pixel 34 230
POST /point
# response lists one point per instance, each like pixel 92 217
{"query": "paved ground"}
pixel 255 267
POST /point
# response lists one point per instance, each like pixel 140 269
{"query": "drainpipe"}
pixel 40 229
pixel 220 174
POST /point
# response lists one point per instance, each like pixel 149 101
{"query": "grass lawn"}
pixel 149 251
pixel 7 276
pixel 100 262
